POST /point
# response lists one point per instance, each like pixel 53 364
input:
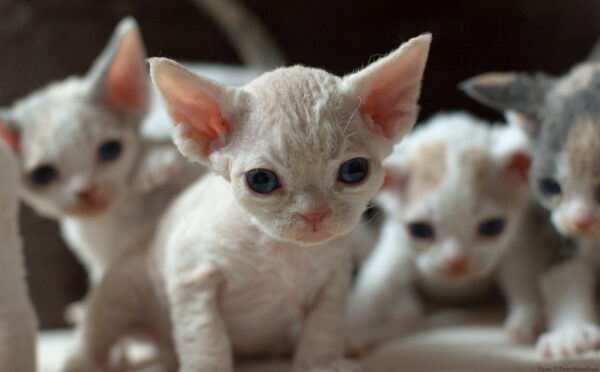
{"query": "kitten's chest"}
pixel 99 240
pixel 265 299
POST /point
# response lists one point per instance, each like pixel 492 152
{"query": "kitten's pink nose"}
pixel 87 193
pixel 457 263
pixel 314 216
pixel 584 221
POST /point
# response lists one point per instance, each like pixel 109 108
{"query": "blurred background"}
pixel 46 40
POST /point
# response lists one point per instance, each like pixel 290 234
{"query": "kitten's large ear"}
pixel 519 96
pixel 9 133
pixel 389 88
pixel 202 110
pixel 118 76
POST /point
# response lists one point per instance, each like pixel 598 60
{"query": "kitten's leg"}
pixel 200 335
pixel 569 294
pixel 117 306
pixel 519 278
pixel 321 343
pixel 383 299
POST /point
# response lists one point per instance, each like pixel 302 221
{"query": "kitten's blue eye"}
pixel 549 187
pixel 491 227
pixel 421 230
pixel 109 150
pixel 262 180
pixel 353 170
pixel 43 175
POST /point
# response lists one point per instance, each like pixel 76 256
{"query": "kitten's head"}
pixel 77 139
pixel 302 148
pixel 562 116
pixel 457 187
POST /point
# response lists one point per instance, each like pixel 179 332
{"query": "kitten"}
pixel 252 260
pixel 96 151
pixel 17 318
pixel 457 211
pixel 562 117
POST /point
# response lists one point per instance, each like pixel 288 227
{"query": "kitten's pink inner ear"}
pixel 188 104
pixel 9 139
pixel 519 165
pixel 126 85
pixel 393 88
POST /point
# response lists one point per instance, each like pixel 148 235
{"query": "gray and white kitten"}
pixel 561 115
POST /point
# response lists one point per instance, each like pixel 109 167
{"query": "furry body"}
pixel 240 271
pixel 451 174
pixel 17 319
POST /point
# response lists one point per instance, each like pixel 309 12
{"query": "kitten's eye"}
pixel 43 175
pixel 491 227
pixel 549 187
pixel 109 150
pixel 262 180
pixel 421 230
pixel 353 170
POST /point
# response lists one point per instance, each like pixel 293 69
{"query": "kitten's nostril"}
pixel 315 216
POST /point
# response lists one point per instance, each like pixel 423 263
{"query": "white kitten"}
pixel 252 260
pixel 458 218
pixel 84 161
pixel 17 319
pixel 95 161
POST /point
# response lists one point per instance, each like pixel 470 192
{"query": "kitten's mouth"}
pixel 89 207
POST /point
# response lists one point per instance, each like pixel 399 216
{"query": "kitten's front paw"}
pixel 569 341
pixel 158 170
pixel 340 365
pixel 524 326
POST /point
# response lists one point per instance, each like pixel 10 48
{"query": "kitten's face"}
pixel 75 155
pixel 563 118
pixel 458 207
pixel 77 139
pixel 301 147
pixel 566 169
pixel 311 168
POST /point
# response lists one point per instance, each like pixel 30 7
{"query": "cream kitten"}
pixel 459 218
pixel 17 319
pixel 561 115
pixel 252 260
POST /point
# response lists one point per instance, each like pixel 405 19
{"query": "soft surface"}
pixel 454 341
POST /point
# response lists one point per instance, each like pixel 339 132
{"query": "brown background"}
pixel 45 40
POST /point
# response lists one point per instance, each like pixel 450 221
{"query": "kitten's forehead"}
pixel 483 176
pixel 582 150
pixel 308 115
pixel 573 110
pixel 427 168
